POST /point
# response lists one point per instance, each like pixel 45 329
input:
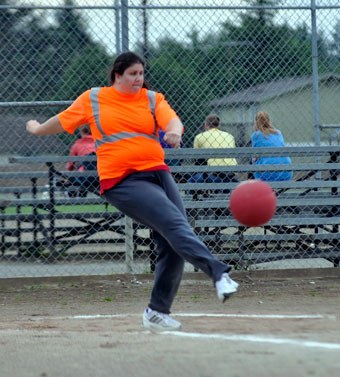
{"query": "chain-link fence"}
pixel 229 58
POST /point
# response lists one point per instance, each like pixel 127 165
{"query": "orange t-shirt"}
pixel 121 113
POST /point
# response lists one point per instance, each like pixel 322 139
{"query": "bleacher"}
pixel 306 223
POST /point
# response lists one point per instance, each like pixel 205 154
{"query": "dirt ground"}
pixel 281 322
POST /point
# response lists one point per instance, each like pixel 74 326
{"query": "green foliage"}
pixel 183 85
pixel 335 48
pixel 260 51
pixel 65 209
pixel 35 54
pixel 59 60
pixel 239 56
pixel 84 71
pixel 10 52
pixel 70 23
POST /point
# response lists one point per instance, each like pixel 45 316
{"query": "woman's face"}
pixel 131 81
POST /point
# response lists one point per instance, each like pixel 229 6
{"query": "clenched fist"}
pixel 173 139
pixel 32 126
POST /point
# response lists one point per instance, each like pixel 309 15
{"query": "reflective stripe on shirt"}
pixel 121 135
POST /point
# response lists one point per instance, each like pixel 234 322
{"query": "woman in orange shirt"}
pixel 125 119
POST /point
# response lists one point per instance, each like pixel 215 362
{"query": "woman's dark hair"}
pixel 124 61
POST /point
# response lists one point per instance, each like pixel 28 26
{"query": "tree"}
pixel 335 47
pixel 71 35
pixel 36 54
pixel 84 71
pixel 10 19
pixel 239 56
pixel 264 14
pixel 184 88
pixel 257 50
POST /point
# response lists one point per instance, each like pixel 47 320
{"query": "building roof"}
pixel 265 91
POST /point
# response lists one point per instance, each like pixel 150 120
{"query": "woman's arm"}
pixel 50 127
pixel 173 133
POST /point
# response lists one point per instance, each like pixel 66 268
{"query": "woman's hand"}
pixel 32 126
pixel 173 139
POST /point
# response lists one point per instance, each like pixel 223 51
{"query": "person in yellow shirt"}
pixel 213 137
pixel 125 119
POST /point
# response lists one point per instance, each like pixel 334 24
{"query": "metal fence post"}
pixel 125 26
pixel 129 245
pixel 315 74
pixel 117 26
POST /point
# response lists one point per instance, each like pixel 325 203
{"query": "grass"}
pixel 64 209
pixel 85 208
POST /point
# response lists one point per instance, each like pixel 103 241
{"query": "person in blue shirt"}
pixel 265 135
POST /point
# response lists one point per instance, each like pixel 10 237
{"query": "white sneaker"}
pixel 157 321
pixel 225 287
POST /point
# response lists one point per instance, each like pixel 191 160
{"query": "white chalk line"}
pixel 229 337
pixel 211 315
pixel 255 339
pixel 222 337
pixel 269 316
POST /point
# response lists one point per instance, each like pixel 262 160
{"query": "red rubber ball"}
pixel 253 203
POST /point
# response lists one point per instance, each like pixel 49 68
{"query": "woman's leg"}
pixel 168 275
pixel 152 198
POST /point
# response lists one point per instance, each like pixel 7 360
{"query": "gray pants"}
pixel 152 198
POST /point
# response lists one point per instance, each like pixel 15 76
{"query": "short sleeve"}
pixel 163 112
pixel 75 115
